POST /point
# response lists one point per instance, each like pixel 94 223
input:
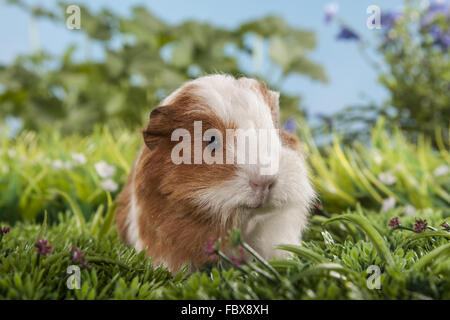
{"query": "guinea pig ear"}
pixel 275 107
pixel 272 98
pixel 158 126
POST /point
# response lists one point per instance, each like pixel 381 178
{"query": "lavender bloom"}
pixel 445 42
pixel 441 39
pixel 390 18
pixel 238 260
pixel 5 230
pixel 289 125
pixel 439 6
pixel 317 207
pixel 331 9
pixel 394 223
pixel 347 34
pixel 42 247
pixel 78 256
pixel 210 247
pixel 436 8
pixel 420 225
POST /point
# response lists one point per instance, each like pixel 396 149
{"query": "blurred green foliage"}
pixel 54 172
pixel 153 59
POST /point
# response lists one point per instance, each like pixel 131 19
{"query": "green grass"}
pixel 343 241
pixel 331 264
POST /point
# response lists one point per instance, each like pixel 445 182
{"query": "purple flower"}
pixel 331 9
pixel 347 34
pixel 435 9
pixel 390 18
pixel 445 225
pixel 420 225
pixel 289 125
pixel 317 207
pixel 78 256
pixel 42 247
pixel 394 223
pixel 5 230
pixel 210 246
pixel 441 39
pixel 438 6
pixel 238 260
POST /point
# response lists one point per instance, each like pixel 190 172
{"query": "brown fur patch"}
pixel 123 208
pixel 171 225
pixel 271 101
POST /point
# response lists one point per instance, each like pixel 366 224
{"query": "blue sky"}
pixel 351 79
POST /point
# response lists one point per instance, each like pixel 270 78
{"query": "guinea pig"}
pixel 172 208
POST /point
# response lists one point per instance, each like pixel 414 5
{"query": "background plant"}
pixel 152 60
pixel 413 46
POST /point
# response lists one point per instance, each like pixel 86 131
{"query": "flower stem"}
pixel 404 228
pixel 260 259
pixel 224 257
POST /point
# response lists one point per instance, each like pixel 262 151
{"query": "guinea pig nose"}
pixel 261 185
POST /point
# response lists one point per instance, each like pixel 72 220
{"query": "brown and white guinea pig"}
pixel 173 209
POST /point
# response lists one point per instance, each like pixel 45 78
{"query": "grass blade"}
pixel 376 239
pixel 303 252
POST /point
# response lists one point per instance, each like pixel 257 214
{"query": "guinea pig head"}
pixel 207 139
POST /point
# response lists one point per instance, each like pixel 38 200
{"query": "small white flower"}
pixel 441 170
pixel 104 170
pixel 410 210
pixel 337 275
pixel 57 164
pixel 331 188
pixel 378 159
pixel 5 169
pixel 79 158
pixel 67 165
pixel 387 178
pixel 12 153
pixel 109 185
pixel 388 204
